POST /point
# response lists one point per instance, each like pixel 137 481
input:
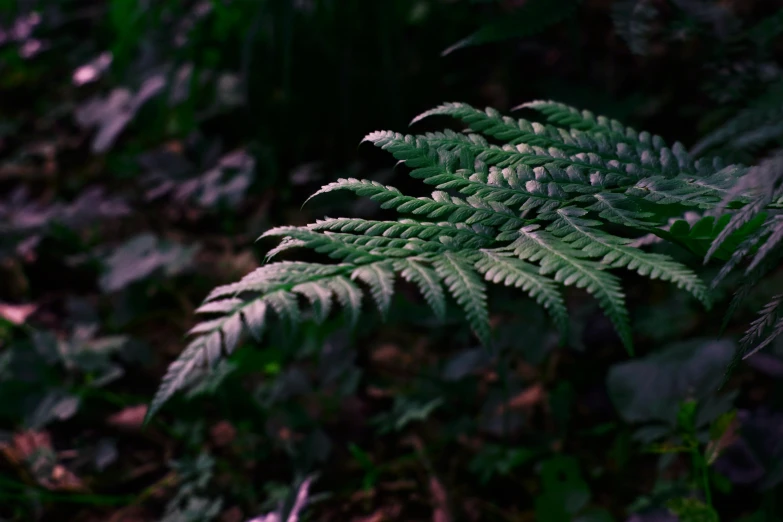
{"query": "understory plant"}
pixel 562 199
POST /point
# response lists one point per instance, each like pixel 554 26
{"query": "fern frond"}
pixel 285 305
pixel 229 335
pixel 362 187
pixel 222 306
pixel 758 224
pixel 751 128
pixel 329 244
pixel 499 267
pixel 583 120
pixel 320 299
pixel 750 279
pixel 527 212
pixel 492 123
pixel 177 374
pixel 572 269
pixel 777 331
pixel 441 205
pixel 620 150
pixel 664 191
pixel 273 275
pixel 581 233
pixel 774 228
pixel 349 296
pixel 737 220
pixel 428 282
pixel 467 289
pixel 254 316
pixel 767 316
pixel 380 279
pixel 468 236
pixel 531 17
pixel 751 221
pixel 763 182
pixel 622 211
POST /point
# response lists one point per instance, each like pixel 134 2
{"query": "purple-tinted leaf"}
pixel 112 114
pixel 226 180
pixel 739 464
pixel 141 257
pixel 756 456
pixel 767 364
pixel 651 388
pixel 92 70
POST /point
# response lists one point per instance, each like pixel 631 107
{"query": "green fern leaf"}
pixel 618 209
pixel 222 306
pixel 499 267
pixel 206 327
pixel 567 116
pixel 664 191
pixel 571 269
pixel 428 282
pixel 285 306
pixel 254 316
pixel 467 289
pixel 380 279
pixel 325 244
pixel 581 233
pixel 231 331
pixel 531 17
pixel 405 229
pixel 349 295
pixel 213 346
pixel 319 296
pixel 178 374
pixel 510 206
pixel 614 148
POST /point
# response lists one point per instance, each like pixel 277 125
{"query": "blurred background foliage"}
pixel 144 146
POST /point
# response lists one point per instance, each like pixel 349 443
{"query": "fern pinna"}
pixel 537 206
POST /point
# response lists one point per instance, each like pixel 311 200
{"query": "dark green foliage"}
pixel 529 18
pixel 753 128
pixel 532 213
pixel 760 247
pixel 389 352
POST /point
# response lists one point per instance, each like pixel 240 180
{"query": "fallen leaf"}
pixel 440 501
pixel 131 418
pixel 33 452
pixel 63 479
pixel 223 433
pixel 526 400
pixel 17 314
pixel 23 445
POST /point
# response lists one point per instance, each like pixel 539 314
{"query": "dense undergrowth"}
pixel 139 165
